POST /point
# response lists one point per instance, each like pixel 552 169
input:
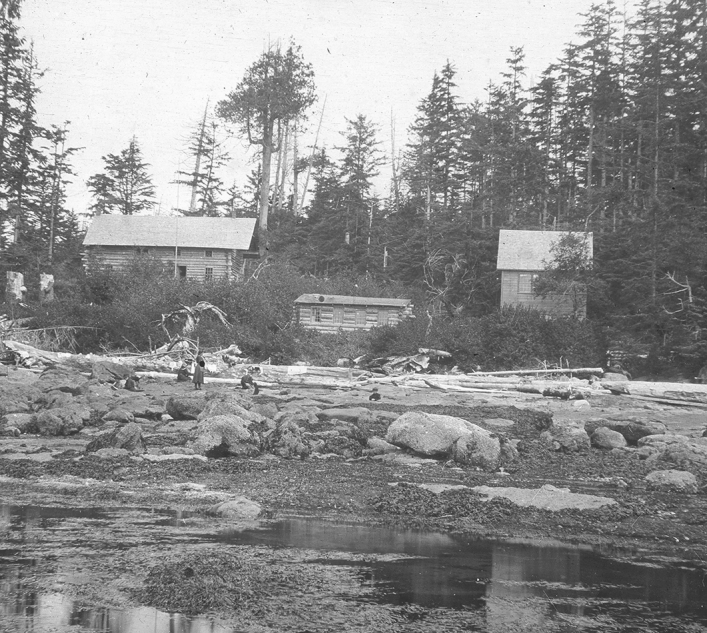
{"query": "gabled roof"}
pixel 530 250
pixel 347 300
pixel 157 230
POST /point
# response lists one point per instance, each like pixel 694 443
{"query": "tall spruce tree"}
pixel 276 89
pixel 125 186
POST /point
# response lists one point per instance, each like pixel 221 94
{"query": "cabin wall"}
pixel 332 318
pixel 222 263
pixel 516 290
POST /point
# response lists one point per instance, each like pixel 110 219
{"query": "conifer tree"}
pixel 125 186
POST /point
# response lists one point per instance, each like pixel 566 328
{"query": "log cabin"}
pixel 522 255
pixel 330 313
pixel 201 248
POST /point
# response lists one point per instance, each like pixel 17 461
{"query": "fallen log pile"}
pixel 558 383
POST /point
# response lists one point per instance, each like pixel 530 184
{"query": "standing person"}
pixel 199 365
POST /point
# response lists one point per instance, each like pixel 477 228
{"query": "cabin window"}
pixel 316 314
pixel 208 253
pixel 182 272
pixel 338 315
pixel 382 317
pixel 209 274
pixel 180 252
pixel 360 318
pixel 142 250
pixel 525 282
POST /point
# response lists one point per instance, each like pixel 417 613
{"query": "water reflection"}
pixel 458 572
pixel 507 581
pixel 55 609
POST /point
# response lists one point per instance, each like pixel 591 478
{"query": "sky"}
pixel 147 68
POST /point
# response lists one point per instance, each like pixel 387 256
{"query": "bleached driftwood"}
pixel 677 391
pixel 540 372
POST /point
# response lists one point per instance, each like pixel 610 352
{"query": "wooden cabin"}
pixel 200 248
pixel 521 256
pixel 329 313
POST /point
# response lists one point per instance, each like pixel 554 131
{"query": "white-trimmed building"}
pixel 203 248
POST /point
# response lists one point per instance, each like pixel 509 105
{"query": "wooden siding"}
pixel 556 305
pixel 223 263
pixel 347 317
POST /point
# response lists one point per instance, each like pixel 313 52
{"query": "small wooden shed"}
pixel 201 248
pixel 521 256
pixel 329 313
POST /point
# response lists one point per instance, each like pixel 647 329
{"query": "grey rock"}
pixel 62 421
pixel 186 407
pixel 566 435
pixel 229 404
pixel 378 446
pixel 632 427
pixel 24 422
pixel 176 450
pixel 605 438
pixel 63 379
pixel 672 481
pixel 287 440
pixel 443 436
pixel 239 508
pixel 128 437
pixel 111 453
pixel 229 434
pixel 267 409
pixel 119 415
pixel 108 371
pixel 351 414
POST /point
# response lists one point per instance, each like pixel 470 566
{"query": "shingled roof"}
pixel 529 250
pixel 156 230
pixel 348 300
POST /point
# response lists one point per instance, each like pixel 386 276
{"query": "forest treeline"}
pixel 611 138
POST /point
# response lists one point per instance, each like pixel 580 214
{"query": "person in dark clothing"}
pixel 183 374
pixel 247 382
pixel 199 364
pixel 133 383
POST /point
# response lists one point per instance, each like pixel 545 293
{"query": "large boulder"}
pixel 225 435
pixel 186 407
pixel 566 435
pixel 672 481
pixel 63 379
pixel 142 406
pixel 607 439
pixel 632 427
pixel 444 436
pixel 23 422
pixel 108 371
pixel 287 440
pixel 62 420
pixel 128 437
pixel 229 404
pixel 680 450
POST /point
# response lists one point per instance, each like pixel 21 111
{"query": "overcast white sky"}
pixel 118 68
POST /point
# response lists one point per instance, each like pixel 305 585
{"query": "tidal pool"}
pixel 506 581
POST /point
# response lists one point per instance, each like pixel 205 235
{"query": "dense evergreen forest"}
pixel 611 138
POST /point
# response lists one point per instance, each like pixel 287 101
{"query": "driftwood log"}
pixel 673 391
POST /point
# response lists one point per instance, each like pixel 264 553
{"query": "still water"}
pixel 402 567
